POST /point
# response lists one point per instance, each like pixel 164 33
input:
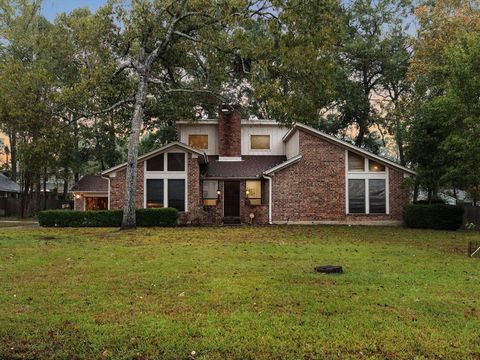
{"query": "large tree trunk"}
pixel 129 220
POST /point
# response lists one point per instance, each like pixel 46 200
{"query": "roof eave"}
pixel 283 165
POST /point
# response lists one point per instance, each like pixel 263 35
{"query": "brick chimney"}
pixel 229 131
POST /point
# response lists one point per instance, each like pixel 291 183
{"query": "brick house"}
pixel 257 171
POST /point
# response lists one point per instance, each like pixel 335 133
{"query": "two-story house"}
pixel 233 170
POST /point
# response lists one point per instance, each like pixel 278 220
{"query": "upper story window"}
pixel 356 162
pixel 260 142
pixel 176 161
pixel 198 141
pixel 155 163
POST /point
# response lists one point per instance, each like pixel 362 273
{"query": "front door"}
pixel 231 203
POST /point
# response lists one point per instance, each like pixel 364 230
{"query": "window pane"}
pixel 374 166
pixel 355 162
pixel 154 193
pixel 198 141
pixel 176 194
pixel 260 142
pixel 155 164
pixel 377 196
pixel 254 191
pixel 356 196
pixel 210 188
pixel 176 162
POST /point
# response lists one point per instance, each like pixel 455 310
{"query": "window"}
pixel 155 164
pixel 96 203
pixel 355 162
pixel 154 193
pixel 377 203
pixel 374 166
pixel 356 196
pixel 254 191
pixel 377 196
pixel 198 141
pixel 176 194
pixel 210 188
pixel 260 142
pixel 176 162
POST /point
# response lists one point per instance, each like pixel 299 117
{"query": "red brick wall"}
pixel 117 188
pixel 314 188
pixel 229 133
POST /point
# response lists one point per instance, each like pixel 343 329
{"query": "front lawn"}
pixel 238 292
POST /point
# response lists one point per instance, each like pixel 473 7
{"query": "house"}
pixel 232 170
pixel 90 193
pixel 8 187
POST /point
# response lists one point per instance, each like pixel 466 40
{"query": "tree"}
pixel 163 47
pixel 444 129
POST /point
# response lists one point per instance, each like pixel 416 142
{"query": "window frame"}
pixel 366 176
pixel 190 135
pixel 215 195
pixel 261 149
pixel 165 176
pixel 260 198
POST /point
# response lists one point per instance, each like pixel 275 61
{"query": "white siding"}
pixel 201 129
pixel 293 145
pixel 277 146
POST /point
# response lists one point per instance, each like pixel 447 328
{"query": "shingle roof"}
pixel 91 183
pixel 8 185
pixel 251 166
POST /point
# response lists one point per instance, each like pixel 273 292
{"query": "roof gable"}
pixel 346 145
pixel 154 153
pixel 8 185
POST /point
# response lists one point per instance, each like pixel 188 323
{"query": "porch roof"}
pixel 250 167
pixel 91 183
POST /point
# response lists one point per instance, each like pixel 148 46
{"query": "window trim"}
pixel 208 141
pixel 261 149
pixel 366 175
pixel 254 198
pixel 165 175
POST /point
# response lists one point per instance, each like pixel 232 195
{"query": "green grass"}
pixel 238 293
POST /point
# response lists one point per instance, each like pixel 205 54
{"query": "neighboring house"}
pixel 256 171
pixel 91 193
pixel 8 187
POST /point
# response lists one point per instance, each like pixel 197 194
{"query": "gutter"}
pixel 269 198
pixel 108 179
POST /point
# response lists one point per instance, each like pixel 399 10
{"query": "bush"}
pixel 108 218
pixel 433 216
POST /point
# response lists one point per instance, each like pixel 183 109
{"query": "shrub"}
pixel 157 217
pixel 108 218
pixel 433 216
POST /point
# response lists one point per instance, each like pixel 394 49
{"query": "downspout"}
pixel 269 198
pixel 108 179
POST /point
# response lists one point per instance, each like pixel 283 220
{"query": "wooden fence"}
pixel 471 215
pixel 11 207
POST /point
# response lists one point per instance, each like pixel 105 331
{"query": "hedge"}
pixel 433 216
pixel 108 218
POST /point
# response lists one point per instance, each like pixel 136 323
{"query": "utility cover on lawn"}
pixel 329 269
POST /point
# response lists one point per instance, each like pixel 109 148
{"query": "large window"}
pixel 210 188
pixel 176 161
pixel 260 142
pixel 356 196
pixel 154 193
pixel 176 194
pixel 254 191
pixel 377 196
pixel 198 141
pixel 361 190
pixel 155 163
